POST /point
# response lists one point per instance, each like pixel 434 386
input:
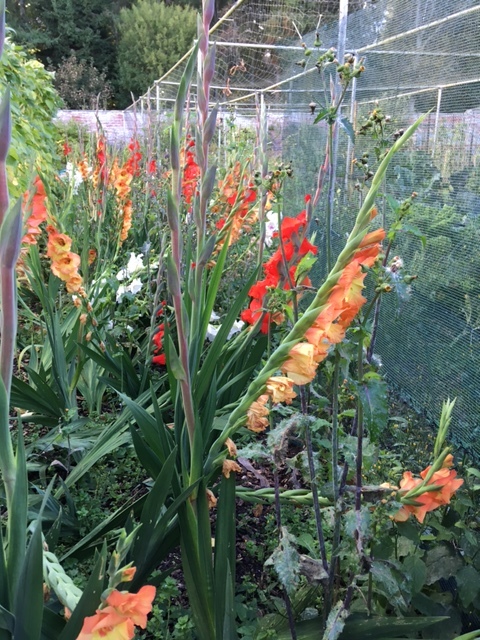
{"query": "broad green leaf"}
pixel 387 581
pixel 373 396
pixel 199 585
pixel 7 620
pixel 416 570
pixel 164 538
pixel 441 562
pixel 173 361
pixel 147 458
pixel 468 583
pixel 321 115
pixel 415 231
pixel 335 622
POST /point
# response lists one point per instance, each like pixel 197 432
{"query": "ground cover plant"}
pixel 195 439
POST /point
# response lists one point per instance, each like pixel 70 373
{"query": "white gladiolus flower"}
pixel 135 286
pixel 135 263
pixel 121 291
pixel 271 226
pixel 74 176
pixel 212 330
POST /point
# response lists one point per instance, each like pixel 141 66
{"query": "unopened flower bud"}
pixel 128 573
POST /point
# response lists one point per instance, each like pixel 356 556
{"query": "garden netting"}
pixel 420 56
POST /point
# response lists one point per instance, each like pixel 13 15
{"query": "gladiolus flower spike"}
pixel 320 302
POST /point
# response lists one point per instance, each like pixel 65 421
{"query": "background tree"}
pixel 81 85
pixel 152 37
pixel 55 30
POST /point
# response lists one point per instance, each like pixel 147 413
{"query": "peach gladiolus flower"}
pixel 127 220
pixel 58 244
pixel 325 330
pixel 256 415
pixel 66 266
pixel 280 389
pixel 301 366
pixel 75 284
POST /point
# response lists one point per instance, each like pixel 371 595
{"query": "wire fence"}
pixel 420 55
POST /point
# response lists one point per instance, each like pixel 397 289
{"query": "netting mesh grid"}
pixel 419 55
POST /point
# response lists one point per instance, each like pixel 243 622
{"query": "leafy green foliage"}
pixel 34 102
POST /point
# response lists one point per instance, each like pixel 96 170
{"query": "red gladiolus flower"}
pixel 133 163
pixel 159 358
pixel 191 174
pixel 280 269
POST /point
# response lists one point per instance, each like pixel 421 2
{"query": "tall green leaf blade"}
pixel 202 380
pixel 90 599
pixel 161 539
pixel 147 458
pixel 225 560
pixel 153 507
pixel 17 520
pixel 200 595
pixel 28 601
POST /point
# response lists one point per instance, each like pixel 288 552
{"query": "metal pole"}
pixel 437 118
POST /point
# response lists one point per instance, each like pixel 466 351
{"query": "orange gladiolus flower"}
pixel 325 330
pixel 38 212
pixel 374 237
pixel 100 627
pixel 280 389
pixel 444 479
pixel 127 220
pixel 74 284
pixel 116 621
pixel 59 244
pixel 66 266
pixel 256 415
pixel 134 606
pixel 301 366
